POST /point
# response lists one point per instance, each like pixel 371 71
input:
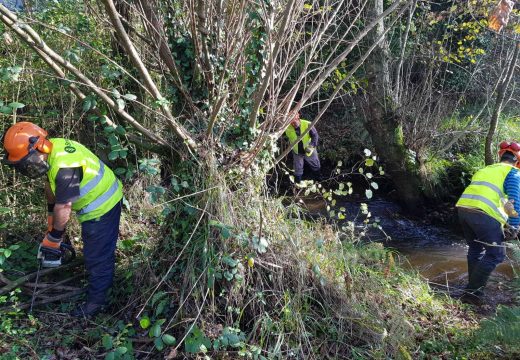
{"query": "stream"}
pixel 436 252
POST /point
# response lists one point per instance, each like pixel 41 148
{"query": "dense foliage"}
pixel 187 102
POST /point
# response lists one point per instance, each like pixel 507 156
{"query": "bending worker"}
pixel 76 180
pixel 488 212
pixel 305 150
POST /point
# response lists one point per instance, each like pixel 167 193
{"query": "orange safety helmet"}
pixel 512 147
pixel 22 138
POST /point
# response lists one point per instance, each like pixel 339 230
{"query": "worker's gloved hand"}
pixel 49 252
pixel 511 232
pixel 309 150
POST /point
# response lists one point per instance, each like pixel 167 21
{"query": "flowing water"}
pixel 437 253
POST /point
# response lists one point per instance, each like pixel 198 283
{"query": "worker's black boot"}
pixel 87 310
pixel 478 278
pixel 477 281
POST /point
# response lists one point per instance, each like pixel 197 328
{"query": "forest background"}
pixel 188 101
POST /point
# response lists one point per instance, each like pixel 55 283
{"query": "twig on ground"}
pixel 47 300
pixel 22 280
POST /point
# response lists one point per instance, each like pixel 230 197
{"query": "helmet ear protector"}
pixel 32 165
pixel 36 144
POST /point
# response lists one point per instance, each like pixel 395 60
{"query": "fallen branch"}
pixel 55 286
pixel 22 280
pixel 46 301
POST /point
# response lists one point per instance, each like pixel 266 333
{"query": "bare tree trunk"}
pixel 499 105
pixel 383 124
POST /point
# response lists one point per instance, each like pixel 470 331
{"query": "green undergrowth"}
pixel 229 272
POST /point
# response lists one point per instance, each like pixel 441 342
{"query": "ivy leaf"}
pixel 16 105
pixel 158 343
pixel 120 130
pixel 145 322
pixel 368 194
pixel 113 155
pixel 155 331
pixel 129 97
pixel 168 339
pixel 120 104
pixel 116 94
pixel 107 342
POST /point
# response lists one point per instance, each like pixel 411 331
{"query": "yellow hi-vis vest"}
pixel 291 134
pixel 99 190
pixel 486 191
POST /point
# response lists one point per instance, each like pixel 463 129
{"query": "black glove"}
pixel 511 232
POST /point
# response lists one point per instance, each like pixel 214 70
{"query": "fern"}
pixel 514 247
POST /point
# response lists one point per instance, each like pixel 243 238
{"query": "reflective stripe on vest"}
pixel 487 202
pixel 84 190
pixel 492 187
pixel 100 200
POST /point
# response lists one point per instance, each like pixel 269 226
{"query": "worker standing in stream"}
pixel 304 150
pixel 76 180
pixel 488 212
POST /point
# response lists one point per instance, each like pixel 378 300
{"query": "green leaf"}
pixel 4 210
pixel 7 253
pixel 87 104
pixel 120 171
pixel 116 94
pixel 169 340
pixel 16 105
pixel 113 140
pixel 155 331
pixel 158 343
pixel 160 307
pixel 130 97
pixel 369 162
pixel 368 193
pixel 113 155
pixel 107 342
pixel 6 110
pixel 121 350
pixel 120 104
pixel 145 322
pixel 110 356
pixel 120 130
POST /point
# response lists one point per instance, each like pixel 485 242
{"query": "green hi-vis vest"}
pixel 486 191
pixel 291 134
pixel 99 190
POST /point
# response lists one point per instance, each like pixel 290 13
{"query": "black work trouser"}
pixel 485 238
pixel 99 246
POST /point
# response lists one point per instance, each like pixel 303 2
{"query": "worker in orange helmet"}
pixel 488 212
pixel 76 180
